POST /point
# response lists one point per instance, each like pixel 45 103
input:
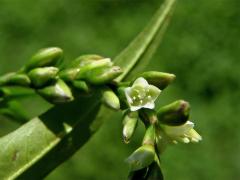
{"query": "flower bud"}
pixel 57 93
pixel 94 66
pixel 45 57
pixel 15 91
pixel 141 158
pixel 130 121
pixel 81 85
pixel 158 79
pixel 110 99
pixel 176 113
pixel 14 113
pixel 69 74
pixel 84 59
pixel 103 75
pixel 42 76
pixel 15 79
pixel 149 137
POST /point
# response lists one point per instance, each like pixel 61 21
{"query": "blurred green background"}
pixel 201 46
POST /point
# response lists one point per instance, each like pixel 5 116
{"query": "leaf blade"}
pixel 132 54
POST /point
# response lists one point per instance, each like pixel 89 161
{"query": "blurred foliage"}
pixel 201 47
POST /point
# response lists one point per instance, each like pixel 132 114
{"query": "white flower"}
pixel 183 133
pixel 141 95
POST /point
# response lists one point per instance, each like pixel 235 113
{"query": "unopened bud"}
pixel 176 113
pixel 81 85
pixel 149 137
pixel 45 57
pixel 130 122
pixel 84 59
pixel 94 66
pixel 103 75
pixel 69 74
pixel 158 79
pixel 57 93
pixel 15 91
pixel 42 76
pixel 15 79
pixel 14 113
pixel 141 158
pixel 110 99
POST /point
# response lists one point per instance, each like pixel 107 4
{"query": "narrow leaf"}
pixel 144 45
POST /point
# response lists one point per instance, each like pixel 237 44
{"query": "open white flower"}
pixel 183 133
pixel 141 95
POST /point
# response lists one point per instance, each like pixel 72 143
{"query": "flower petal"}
pixel 149 105
pixel 178 130
pixel 135 108
pixel 140 81
pixel 127 92
pixel 154 92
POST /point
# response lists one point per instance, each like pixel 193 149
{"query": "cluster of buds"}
pixel 42 73
pixel 168 125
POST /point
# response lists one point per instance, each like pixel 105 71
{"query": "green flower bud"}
pixel 158 79
pixel 141 158
pixel 130 122
pixel 15 91
pixel 42 76
pixel 94 66
pixel 15 79
pixel 69 74
pixel 81 85
pixel 149 116
pixel 84 59
pixel 15 114
pixel 57 93
pixel 103 75
pixel 45 57
pixel 176 113
pixel 83 67
pixel 110 99
pixel 149 137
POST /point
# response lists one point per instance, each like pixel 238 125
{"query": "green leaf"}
pixel 43 143
pixel 142 48
pixel 40 145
